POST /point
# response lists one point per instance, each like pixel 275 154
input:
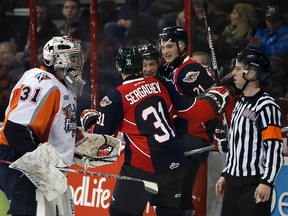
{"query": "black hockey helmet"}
pixel 175 34
pixel 149 52
pixel 129 60
pixel 255 59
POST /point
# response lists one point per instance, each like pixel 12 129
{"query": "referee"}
pixel 255 155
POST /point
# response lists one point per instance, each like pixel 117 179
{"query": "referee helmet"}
pixel 253 59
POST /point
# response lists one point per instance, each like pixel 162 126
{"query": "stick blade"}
pixel 151 187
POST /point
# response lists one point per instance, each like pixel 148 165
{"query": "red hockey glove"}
pixel 220 140
pixel 218 97
pixel 88 118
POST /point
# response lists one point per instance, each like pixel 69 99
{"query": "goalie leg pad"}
pixel 61 206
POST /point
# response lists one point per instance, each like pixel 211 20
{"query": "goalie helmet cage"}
pixel 200 202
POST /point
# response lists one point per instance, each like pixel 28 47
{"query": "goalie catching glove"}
pixel 220 140
pixel 88 118
pixel 93 150
pixel 218 97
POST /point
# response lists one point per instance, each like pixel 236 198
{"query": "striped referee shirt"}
pixel 256 144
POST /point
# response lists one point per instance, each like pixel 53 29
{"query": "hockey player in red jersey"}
pixel 191 78
pixel 42 109
pixel 143 110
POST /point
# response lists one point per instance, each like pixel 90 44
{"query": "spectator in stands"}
pixel 166 11
pixel 122 29
pixel 273 41
pixel 10 73
pixel 73 25
pixel 107 12
pixel 243 22
pixel 45 30
pixel 202 57
pixel 5 25
pixel 217 20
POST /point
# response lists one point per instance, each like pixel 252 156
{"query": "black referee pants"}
pixel 239 198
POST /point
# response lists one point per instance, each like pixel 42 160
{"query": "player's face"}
pixel 150 68
pixel 169 50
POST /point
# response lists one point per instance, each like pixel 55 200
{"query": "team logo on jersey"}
pixel 191 76
pixel 250 114
pixel 105 102
pixel 42 76
pixel 174 165
pixel 70 118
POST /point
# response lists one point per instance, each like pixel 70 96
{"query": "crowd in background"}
pixel 235 24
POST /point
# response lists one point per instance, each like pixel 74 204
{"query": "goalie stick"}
pixel 149 186
pixel 214 62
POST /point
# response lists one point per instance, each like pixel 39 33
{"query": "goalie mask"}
pixel 65 55
pixel 253 59
pixel 129 60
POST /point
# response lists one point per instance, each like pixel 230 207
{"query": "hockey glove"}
pixel 93 150
pixel 218 97
pixel 87 118
pixel 220 140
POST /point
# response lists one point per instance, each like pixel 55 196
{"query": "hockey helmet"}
pixel 253 59
pixel 64 55
pixel 175 34
pixel 129 60
pixel 149 52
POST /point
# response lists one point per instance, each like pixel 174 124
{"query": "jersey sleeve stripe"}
pixel 42 116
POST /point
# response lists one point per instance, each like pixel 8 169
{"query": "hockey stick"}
pixel 199 150
pixel 222 81
pixel 149 186
pixel 214 63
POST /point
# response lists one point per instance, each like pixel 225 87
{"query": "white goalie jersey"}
pixel 47 108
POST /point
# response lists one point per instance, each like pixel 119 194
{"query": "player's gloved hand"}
pixel 220 140
pixel 218 97
pixel 88 117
